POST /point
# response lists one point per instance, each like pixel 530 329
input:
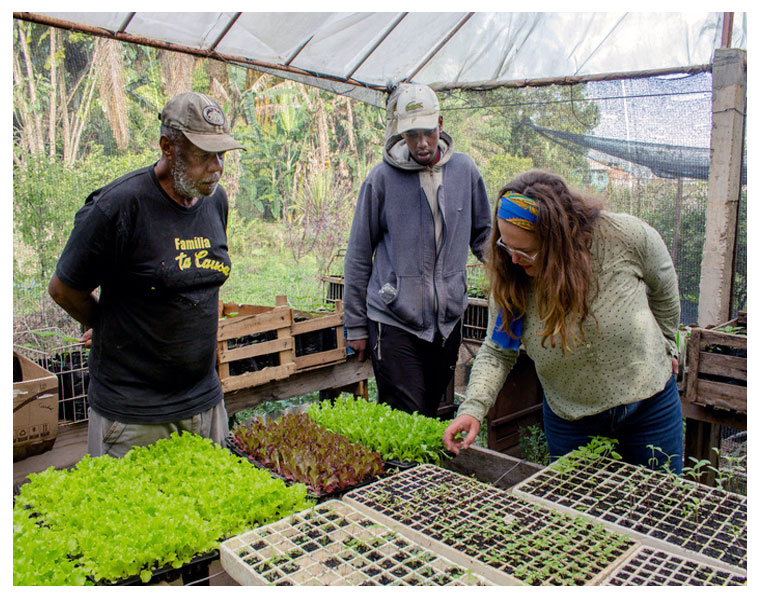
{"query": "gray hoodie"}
pixel 406 262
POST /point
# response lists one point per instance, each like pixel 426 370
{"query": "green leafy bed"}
pixel 298 449
pixel 109 519
pixel 396 435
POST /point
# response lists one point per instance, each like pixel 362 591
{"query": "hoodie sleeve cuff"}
pixel 357 333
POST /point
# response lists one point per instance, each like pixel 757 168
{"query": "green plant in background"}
pixel 107 519
pixel 396 435
pixel 533 444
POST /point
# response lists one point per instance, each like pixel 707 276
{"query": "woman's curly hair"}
pixel 564 284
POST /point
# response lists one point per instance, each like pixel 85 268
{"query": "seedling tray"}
pixel 660 509
pixel 336 544
pixel 499 536
pixel 311 493
pixel 190 572
pixel 650 566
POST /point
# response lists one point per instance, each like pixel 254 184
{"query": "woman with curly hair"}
pixel 593 299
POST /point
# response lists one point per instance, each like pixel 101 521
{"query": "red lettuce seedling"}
pixel 300 450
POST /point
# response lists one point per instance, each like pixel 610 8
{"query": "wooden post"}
pixel 724 184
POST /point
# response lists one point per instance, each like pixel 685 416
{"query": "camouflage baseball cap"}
pixel 201 120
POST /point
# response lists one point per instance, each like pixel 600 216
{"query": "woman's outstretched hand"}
pixel 465 424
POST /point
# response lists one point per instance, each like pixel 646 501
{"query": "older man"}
pixel 417 214
pixel 154 241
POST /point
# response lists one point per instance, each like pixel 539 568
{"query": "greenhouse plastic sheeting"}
pixel 441 49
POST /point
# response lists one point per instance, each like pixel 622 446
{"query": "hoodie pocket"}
pixel 453 297
pixel 406 305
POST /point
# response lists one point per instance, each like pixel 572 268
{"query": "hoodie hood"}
pixel 396 153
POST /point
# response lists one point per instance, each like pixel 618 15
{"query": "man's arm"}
pixel 358 269
pixel 480 228
pixel 81 305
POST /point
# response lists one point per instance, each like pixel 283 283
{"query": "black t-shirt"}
pixel 159 267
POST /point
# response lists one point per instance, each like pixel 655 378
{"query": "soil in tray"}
pixel 501 530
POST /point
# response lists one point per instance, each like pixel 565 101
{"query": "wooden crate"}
pixel 254 344
pixel 333 286
pixel 716 367
pixel 475 320
pixel 333 283
pixel 318 338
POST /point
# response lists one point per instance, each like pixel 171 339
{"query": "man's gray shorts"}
pixel 105 436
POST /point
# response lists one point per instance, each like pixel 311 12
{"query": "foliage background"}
pixel 85 112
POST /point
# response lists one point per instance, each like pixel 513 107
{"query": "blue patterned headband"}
pixel 518 210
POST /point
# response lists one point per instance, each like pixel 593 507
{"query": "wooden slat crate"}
pixel 334 282
pixel 318 338
pixel 475 320
pixel 254 344
pixel 716 367
pixel 333 288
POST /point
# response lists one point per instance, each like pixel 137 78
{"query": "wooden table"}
pixel 71 442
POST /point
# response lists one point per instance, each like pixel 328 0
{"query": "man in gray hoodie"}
pixel 417 214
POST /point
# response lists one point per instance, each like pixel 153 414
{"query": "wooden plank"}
pixel 492 467
pixel 260 349
pixel 710 337
pixel 317 323
pixel 708 414
pixel 722 395
pixel 320 358
pixel 254 378
pixel 231 309
pixel 734 367
pixel 235 327
pixel 337 375
pixel 692 364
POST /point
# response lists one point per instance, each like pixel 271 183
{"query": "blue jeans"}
pixel 655 422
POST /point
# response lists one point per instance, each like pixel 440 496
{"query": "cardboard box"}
pixel 35 408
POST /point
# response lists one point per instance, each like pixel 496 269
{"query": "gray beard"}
pixel 182 185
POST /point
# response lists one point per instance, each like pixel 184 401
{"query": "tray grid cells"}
pixel 648 566
pixel 334 544
pixel 526 541
pixel 659 505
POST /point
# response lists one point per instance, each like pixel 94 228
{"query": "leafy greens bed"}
pixel 396 435
pixel 109 519
pixel 298 449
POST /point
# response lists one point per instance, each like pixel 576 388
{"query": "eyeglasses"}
pixel 520 253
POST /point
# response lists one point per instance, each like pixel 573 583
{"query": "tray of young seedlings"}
pixel 296 449
pixel 155 514
pixel 661 509
pixel 402 439
pixel 652 566
pixel 499 536
pixel 336 544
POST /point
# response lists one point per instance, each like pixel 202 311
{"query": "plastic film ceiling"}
pixel 370 51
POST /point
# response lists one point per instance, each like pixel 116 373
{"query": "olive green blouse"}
pixel 630 335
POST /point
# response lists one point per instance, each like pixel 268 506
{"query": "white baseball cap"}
pixel 417 108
